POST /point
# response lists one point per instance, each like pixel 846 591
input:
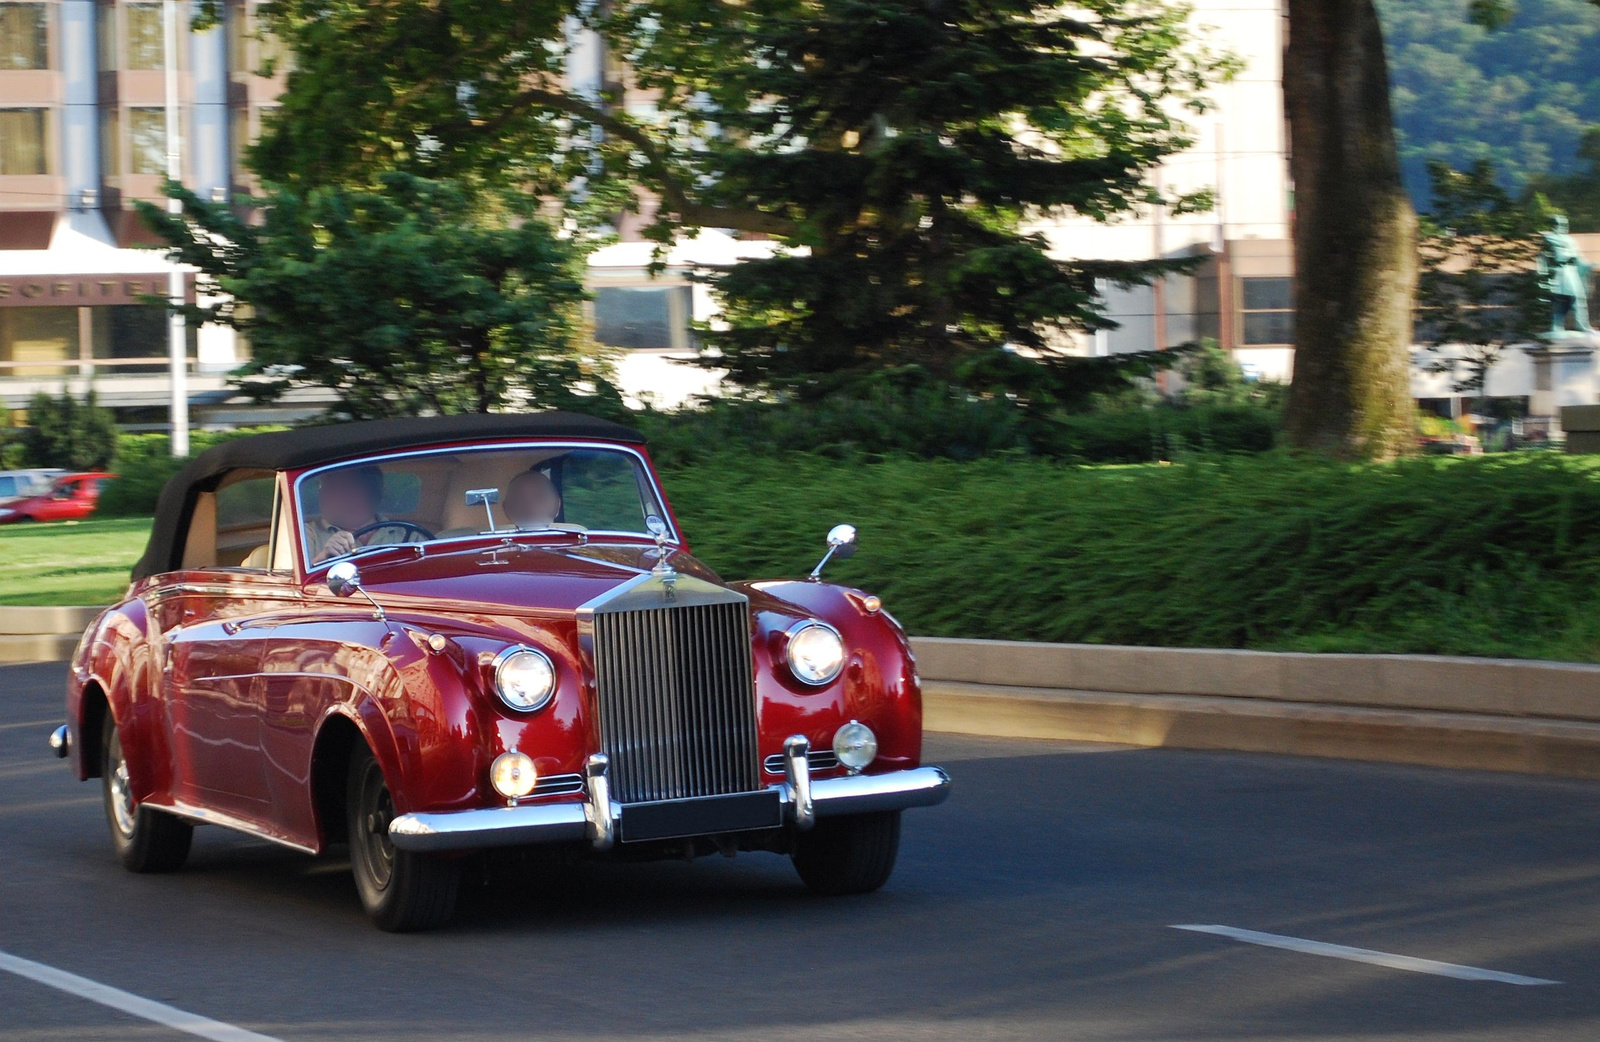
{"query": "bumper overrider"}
pixel 798 801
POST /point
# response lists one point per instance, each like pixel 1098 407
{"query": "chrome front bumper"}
pixel 597 819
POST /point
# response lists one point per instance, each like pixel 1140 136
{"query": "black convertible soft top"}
pixel 314 446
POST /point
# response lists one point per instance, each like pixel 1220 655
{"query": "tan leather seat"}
pixel 258 558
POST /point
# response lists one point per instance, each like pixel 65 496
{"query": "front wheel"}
pixel 145 840
pixel 848 855
pixel 401 890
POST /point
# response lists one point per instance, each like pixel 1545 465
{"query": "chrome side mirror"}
pixel 841 544
pixel 344 579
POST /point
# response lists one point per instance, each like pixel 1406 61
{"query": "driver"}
pixel 349 501
pixel 532 502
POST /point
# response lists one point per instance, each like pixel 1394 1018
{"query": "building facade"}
pixel 83 136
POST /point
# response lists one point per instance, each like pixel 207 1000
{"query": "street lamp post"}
pixel 177 328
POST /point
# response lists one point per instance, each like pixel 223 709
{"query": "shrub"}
pixel 143 464
pixel 63 432
pixel 1494 556
pixel 942 423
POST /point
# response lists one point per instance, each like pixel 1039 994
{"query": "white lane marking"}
pixel 30 723
pixel 127 1002
pixel 1340 951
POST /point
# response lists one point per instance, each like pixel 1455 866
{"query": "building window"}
pixel 22 37
pixel 146 38
pixel 1267 307
pixel 133 338
pixel 37 341
pixel 147 141
pixel 643 317
pixel 110 143
pixel 22 142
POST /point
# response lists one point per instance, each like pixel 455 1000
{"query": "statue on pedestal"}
pixel 1564 279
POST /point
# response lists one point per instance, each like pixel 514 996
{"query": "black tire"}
pixel 401 890
pixel 848 855
pixel 145 840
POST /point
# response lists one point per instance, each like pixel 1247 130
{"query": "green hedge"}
pixel 1496 556
pixel 935 424
pixel 143 464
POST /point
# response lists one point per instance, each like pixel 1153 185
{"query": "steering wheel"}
pixel 364 529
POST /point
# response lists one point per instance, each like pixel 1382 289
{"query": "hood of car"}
pixel 524 577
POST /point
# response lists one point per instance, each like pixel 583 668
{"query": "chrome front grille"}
pixel 677 708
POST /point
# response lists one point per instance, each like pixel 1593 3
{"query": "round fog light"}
pixel 855 745
pixel 513 775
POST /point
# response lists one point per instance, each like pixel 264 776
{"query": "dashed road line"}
pixel 127 1002
pixel 1366 955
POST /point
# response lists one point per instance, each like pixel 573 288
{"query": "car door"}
pixel 56 505
pixel 215 645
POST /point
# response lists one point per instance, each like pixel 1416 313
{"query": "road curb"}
pixel 1485 714
pixel 1474 741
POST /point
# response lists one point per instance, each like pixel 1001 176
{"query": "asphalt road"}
pixel 1037 903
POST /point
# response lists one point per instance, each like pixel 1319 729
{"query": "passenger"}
pixel 349 499
pixel 532 502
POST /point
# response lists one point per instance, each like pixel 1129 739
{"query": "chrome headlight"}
pixel 513 775
pixel 816 652
pixel 855 745
pixel 524 678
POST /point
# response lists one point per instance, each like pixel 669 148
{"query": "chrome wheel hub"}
pixel 121 792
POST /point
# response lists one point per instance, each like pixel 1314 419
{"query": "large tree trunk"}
pixel 1354 237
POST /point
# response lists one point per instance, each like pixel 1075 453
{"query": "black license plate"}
pixel 701 816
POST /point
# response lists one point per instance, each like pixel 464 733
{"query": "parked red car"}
pixel 71 497
pixel 425 638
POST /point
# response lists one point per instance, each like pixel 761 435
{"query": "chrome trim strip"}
pixel 493 827
pixel 556 785
pixel 205 816
pixel 818 759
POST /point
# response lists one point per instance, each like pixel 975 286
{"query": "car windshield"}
pixel 427 496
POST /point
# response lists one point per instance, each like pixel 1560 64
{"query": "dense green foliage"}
pixel 905 146
pixel 1520 93
pixel 415 296
pixel 1492 556
pixel 940 424
pixel 143 464
pixel 64 432
pixel 1478 289
pixel 1496 556
pixel 900 148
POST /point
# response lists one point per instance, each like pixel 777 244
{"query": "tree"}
pixel 1576 194
pixel 64 432
pixel 401 299
pixel 1354 237
pixel 1478 292
pixel 902 149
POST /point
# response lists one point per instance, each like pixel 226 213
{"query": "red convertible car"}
pixel 425 638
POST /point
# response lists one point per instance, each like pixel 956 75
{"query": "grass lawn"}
pixel 71 562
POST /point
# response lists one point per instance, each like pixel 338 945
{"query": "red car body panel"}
pixel 224 683
pixel 82 494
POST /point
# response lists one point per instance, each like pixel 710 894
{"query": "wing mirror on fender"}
pixel 841 544
pixel 344 579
